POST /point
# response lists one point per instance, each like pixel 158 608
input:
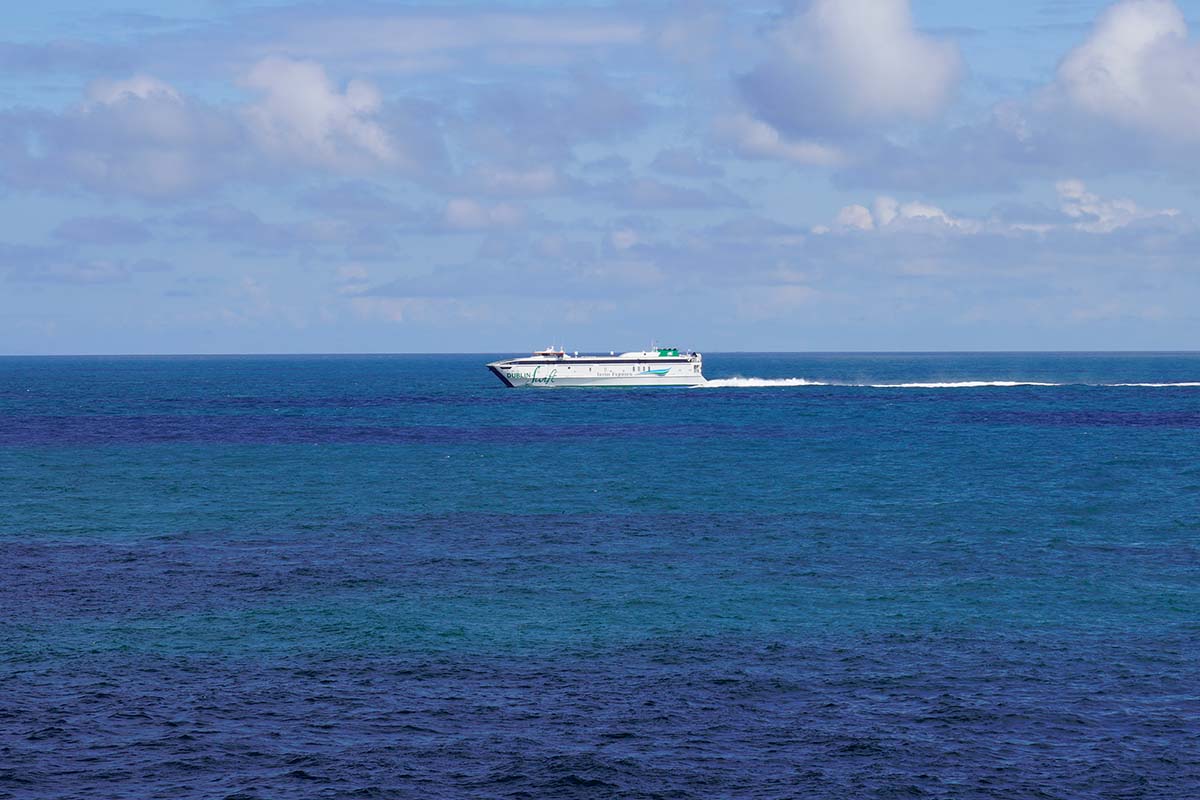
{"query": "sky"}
pixel 216 176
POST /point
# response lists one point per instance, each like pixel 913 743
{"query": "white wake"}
pixel 723 383
pixel 958 385
pixel 739 382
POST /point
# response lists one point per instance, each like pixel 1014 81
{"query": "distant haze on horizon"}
pixel 211 176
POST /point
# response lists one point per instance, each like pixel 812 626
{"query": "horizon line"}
pixel 509 352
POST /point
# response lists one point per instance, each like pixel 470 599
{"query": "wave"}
pixel 739 382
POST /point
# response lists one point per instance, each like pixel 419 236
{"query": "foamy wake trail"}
pixel 724 383
pixel 957 385
pixel 721 383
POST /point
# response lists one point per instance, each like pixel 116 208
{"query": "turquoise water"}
pixel 824 576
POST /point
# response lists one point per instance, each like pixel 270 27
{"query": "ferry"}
pixel 664 366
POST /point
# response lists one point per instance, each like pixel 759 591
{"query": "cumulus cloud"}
pixel 838 65
pixel 142 136
pixel 888 214
pixel 1095 214
pixel 1079 210
pixel 1126 97
pixel 855 216
pixel 301 115
pixel 754 138
pixel 1137 68
pixel 138 136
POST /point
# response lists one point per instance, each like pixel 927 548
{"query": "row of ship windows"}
pixel 609 373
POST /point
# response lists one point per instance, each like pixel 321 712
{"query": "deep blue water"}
pixel 391 577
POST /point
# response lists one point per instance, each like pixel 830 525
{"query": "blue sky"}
pixel 229 177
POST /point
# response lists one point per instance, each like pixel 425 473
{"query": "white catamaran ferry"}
pixel 665 366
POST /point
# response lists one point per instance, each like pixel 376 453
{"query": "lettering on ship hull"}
pixel 534 378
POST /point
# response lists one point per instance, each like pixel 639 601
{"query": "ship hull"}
pixel 613 372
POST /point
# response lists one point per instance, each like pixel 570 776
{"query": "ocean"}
pixel 822 576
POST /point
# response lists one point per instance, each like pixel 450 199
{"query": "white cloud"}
pixel 890 214
pixel 149 111
pixel 1082 211
pixel 1096 214
pixel 1137 68
pixel 142 136
pixel 137 135
pixel 757 139
pixel 837 65
pixel 1125 98
pixel 855 217
pixel 142 87
pixel 929 213
pixel 886 209
pixel 301 115
pixel 467 214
